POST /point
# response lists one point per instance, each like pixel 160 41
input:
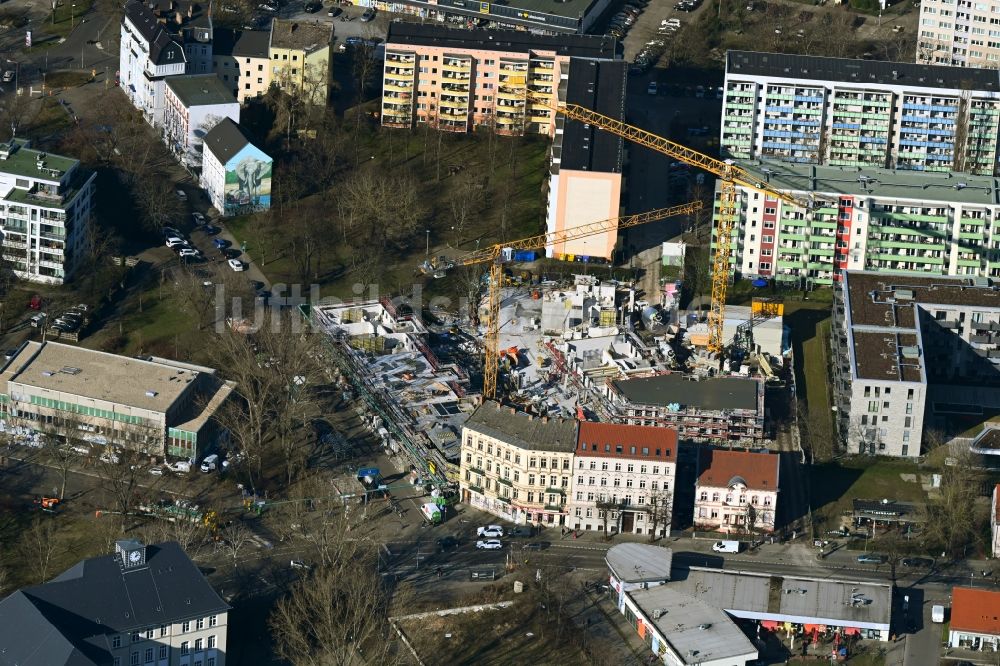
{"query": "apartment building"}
pixel 241 58
pixel 517 466
pixel 736 491
pixel 963 34
pixel 860 113
pixel 156 406
pixel 995 522
pixel 235 174
pixel 531 16
pixel 457 80
pixel 719 409
pixel 195 103
pixel 585 181
pixel 863 218
pixel 301 56
pixel 145 604
pixel 913 352
pixel 46 212
pixel 161 38
pixel 624 479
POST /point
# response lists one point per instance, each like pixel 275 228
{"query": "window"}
pixel 185 627
pixel 200 623
pixel 149 655
pixel 163 652
pixel 210 661
pixel 163 630
pixel 185 648
pixel 199 644
pixel 593 464
pixel 642 469
pixel 116 642
pixel 117 661
pixel 149 634
pixel 134 659
pixel 704 496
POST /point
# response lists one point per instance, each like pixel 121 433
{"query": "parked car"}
pixel 8 76
pixel 210 230
pixel 651 88
pixel 870 558
pixel 447 543
pixel 335 11
pixel 170 231
pixel 220 243
pixel 156 471
pixel 299 564
pixel 918 562
pixel 236 265
pixel 38 320
pixel 368 15
pixel 489 544
pixel 198 218
pixel 110 458
pixel 313 7
pixel 189 253
pixel 174 241
pixel 490 531
pixel 536 545
pixel 181 194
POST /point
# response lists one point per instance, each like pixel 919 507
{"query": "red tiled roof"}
pixel 659 443
pixel 719 468
pixel 975 610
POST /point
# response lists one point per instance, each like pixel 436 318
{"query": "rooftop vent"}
pixel 150 394
pixel 910 352
pixel 48 373
pixel 904 294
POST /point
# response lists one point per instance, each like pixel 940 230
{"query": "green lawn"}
pixel 835 486
pixel 809 323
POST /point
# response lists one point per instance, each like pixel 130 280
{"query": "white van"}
pixel 210 463
pixel 937 614
pixel 726 546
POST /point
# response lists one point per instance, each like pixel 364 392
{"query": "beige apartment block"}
pixel 301 57
pixel 965 33
pixel 736 491
pixel 242 60
pixel 456 80
pixel 517 466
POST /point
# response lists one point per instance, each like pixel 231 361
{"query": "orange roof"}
pixel 626 441
pixel 975 610
pixel 759 471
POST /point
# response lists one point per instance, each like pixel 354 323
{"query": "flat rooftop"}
pixel 882 356
pixel 901 186
pixel 714 394
pixel 200 89
pixel 599 86
pixel 697 631
pixel 762 596
pixel 518 41
pixel 523 430
pixel 308 36
pixel 639 562
pixel 85 373
pixel 24 161
pixel 860 72
pixel 883 300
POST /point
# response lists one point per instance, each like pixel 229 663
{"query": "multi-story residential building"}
pixel 860 113
pixel 142 605
pixel 459 79
pixel 529 16
pixel 720 409
pixel 195 103
pixel 736 491
pixel 912 352
pixel 300 56
pixel 863 218
pixel 974 622
pixel 161 38
pixel 964 35
pixel 45 214
pixel 241 58
pixel 585 181
pixel 624 479
pixel 235 174
pixel 517 466
pixel 156 406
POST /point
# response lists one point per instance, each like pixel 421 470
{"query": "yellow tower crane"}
pixel 730 176
pixel 493 255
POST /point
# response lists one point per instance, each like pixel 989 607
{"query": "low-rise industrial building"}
pixel 912 352
pixel 141 605
pixel 795 605
pixel 638 566
pixel 194 104
pixel 736 491
pixel 45 215
pixel 975 619
pixel 717 409
pixel 682 630
pixel 624 479
pixel 156 406
pixel 235 174
pixel 518 466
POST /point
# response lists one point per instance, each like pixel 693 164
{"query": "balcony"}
pixel 476 489
pixel 506 482
pixel 553 507
pixel 461 66
pixel 555 491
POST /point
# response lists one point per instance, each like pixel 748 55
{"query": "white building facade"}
pixel 736 492
pixel 624 479
pixel 45 213
pixel 194 105
pixel 964 35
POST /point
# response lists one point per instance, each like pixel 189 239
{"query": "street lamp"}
pixel 54 11
pixel 428 243
pixel 72 12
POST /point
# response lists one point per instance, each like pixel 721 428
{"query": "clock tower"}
pixel 131 553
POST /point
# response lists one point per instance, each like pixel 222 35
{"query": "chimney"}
pixel 513 410
pixel 545 419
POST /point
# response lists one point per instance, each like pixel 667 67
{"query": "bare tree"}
pixel 235 537
pixel 659 513
pixel 62 457
pixel 156 202
pixel 338 616
pixel 125 463
pixel 38 546
pixel 953 523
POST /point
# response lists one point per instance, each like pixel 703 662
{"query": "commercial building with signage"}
pixel 538 16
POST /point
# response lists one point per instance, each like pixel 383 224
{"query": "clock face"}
pixel 134 557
